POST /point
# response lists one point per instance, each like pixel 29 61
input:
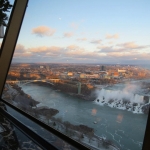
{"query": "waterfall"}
pixel 124 99
pixel 119 95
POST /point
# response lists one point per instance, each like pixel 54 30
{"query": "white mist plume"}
pixel 128 93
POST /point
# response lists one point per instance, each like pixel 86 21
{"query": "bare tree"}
pixel 5 6
pixel 90 136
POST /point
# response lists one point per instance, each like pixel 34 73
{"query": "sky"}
pixel 85 31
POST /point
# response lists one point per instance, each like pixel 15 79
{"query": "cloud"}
pixel 55 53
pixel 43 31
pixel 126 56
pixel 124 47
pixel 43 49
pixel 21 52
pixel 72 47
pixel 106 49
pixel 82 39
pixel 68 34
pixel 132 45
pixel 19 48
pixel 112 36
pixel 96 41
pixel 76 54
pixel 128 52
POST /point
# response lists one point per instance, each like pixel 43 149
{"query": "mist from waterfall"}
pixel 126 93
pixel 108 95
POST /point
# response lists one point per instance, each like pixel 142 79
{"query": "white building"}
pixel 41 67
pixel 121 71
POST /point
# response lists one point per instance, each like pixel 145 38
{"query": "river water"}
pixel 124 128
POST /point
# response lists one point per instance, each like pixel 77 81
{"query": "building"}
pixel 41 67
pixel 116 75
pixel 92 76
pixel 121 71
pixel 47 68
pixel 70 73
pixel 102 68
pixel 82 75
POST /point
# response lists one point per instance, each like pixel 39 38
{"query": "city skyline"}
pixel 85 32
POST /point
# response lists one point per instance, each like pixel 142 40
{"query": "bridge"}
pixel 49 81
pixel 23 82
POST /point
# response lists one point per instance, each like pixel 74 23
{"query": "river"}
pixel 124 128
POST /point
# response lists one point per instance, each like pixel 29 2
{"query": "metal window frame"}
pixel 37 139
pixel 6 54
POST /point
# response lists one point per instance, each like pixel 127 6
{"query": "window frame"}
pixel 6 54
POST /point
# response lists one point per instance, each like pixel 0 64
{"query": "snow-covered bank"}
pixel 124 100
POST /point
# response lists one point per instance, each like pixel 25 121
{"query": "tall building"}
pixel 102 68
pixel 47 68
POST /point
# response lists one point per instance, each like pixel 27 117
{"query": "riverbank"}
pixel 83 134
pixel 87 93
pixel 15 95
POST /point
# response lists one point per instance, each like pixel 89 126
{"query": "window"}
pixel 81 68
pixel 5 11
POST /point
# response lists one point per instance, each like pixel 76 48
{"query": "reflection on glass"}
pixel 119 118
pixel 5 11
pixel 48 136
pixel 12 138
pixel 83 69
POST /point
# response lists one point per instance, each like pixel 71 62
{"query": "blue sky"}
pixel 85 31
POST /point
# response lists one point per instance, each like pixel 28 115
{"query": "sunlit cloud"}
pixel 76 53
pixel 124 47
pixel 110 42
pixel 132 45
pixel 68 34
pixel 106 49
pixel 45 49
pixel 96 41
pixel 43 31
pixel 125 56
pixel 20 51
pixel 72 47
pixel 82 39
pixel 112 36
pixel 20 48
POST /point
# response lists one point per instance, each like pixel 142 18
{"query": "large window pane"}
pixel 82 68
pixel 12 138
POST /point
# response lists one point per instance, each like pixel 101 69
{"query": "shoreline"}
pixel 88 97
